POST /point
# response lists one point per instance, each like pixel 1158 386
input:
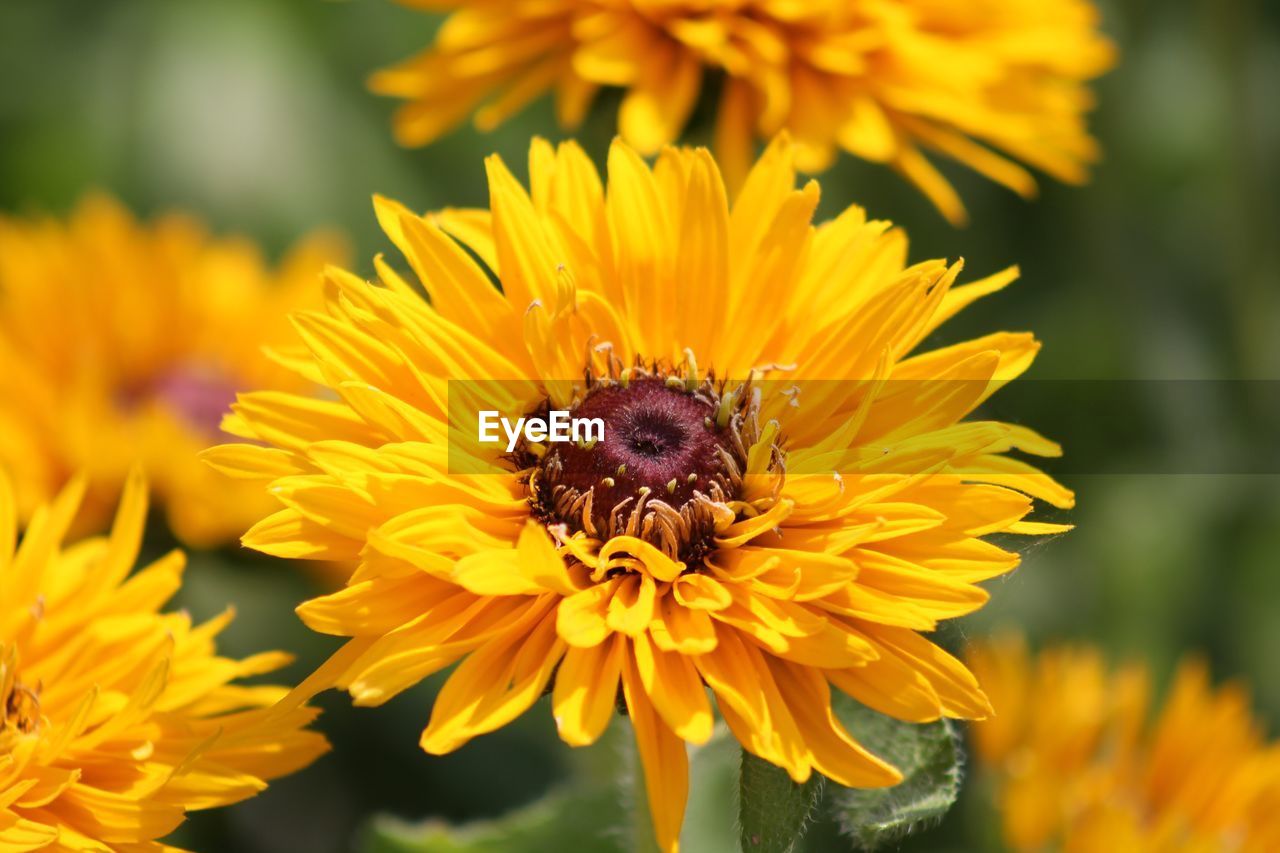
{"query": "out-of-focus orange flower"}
pixel 123 343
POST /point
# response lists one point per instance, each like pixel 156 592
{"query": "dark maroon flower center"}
pixel 656 437
pixel 670 461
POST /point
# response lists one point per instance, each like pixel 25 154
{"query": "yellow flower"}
pixel 1079 766
pixel 123 343
pixel 986 82
pixel 116 719
pixel 705 540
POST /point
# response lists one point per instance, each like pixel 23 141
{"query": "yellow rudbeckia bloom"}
pixel 769 546
pixel 121 343
pixel 1082 761
pixel 117 719
pixel 986 83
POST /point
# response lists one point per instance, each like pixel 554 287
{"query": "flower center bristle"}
pixel 671 458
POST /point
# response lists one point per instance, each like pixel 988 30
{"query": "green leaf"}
pixel 930 759
pixel 575 820
pixel 773 811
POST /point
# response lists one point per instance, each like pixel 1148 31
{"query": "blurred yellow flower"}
pixel 1080 765
pixel 986 82
pixel 705 541
pixel 123 343
pixel 116 719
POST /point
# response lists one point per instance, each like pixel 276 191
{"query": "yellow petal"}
pixel 674 688
pixel 657 564
pixel 835 753
pixel 495 684
pixel 250 461
pixel 289 535
pixel 586 691
pixel 675 628
pixel 632 606
pixel 580 618
pixel 700 592
pixel 664 759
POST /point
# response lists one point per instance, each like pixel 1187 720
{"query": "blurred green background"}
pixel 253 114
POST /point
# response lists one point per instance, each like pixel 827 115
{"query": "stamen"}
pixel 690 370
